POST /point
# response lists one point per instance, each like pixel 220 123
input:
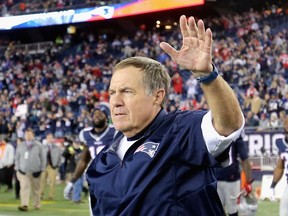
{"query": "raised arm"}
pixel 196 56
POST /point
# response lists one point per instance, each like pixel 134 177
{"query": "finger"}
pixel 184 26
pixel 201 30
pixel 193 29
pixel 169 50
pixel 207 47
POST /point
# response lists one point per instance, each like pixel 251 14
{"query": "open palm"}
pixel 196 51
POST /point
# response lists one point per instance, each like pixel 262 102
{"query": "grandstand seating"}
pixel 55 79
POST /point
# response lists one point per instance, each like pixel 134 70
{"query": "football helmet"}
pixel 247 205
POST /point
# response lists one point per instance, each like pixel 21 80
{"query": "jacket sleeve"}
pixel 17 155
pixel 43 157
pixel 11 155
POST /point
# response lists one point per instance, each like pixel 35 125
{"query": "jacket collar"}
pixel 143 134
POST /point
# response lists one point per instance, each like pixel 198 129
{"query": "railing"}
pixel 263 163
pixel 263 152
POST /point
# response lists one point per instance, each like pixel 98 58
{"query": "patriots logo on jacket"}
pixel 149 148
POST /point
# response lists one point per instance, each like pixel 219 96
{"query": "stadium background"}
pixel 46 66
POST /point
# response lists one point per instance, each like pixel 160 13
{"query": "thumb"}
pixel 169 50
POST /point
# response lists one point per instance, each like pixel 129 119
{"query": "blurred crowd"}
pixel 55 91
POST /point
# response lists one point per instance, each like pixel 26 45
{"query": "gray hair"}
pixel 155 75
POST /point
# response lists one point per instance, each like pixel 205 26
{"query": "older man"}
pixel 162 163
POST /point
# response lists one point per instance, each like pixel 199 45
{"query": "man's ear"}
pixel 159 96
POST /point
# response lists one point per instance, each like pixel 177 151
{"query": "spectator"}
pixel 251 120
pixel 274 103
pixel 275 121
pixel 29 163
pixel 191 85
pixel 285 103
pixel 4 130
pixel 264 123
pixel 7 156
pixel 177 83
pixel 53 161
pixel 256 104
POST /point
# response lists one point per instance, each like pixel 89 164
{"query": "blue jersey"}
pixel 167 171
pixel 232 172
pixel 96 142
pixel 283 154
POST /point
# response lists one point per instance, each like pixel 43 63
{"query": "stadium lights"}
pixel 168 27
pixel 71 29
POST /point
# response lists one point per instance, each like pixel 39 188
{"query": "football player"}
pixel 94 139
pixel 281 168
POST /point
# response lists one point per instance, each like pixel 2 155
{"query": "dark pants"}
pixel 62 172
pixel 17 186
pixel 2 176
pixel 6 176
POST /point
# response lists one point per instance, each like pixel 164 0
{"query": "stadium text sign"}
pixel 262 143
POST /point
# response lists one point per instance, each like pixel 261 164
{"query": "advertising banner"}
pixel 70 16
pixel 262 143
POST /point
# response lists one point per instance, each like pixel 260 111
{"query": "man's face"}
pixel 99 119
pixel 50 138
pixel 131 108
pixel 29 136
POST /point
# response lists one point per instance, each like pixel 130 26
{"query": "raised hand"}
pixel 196 51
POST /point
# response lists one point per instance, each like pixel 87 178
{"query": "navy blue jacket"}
pixel 168 171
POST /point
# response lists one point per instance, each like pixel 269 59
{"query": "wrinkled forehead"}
pixel 128 69
pixel 128 76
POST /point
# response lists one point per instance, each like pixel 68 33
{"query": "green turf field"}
pixel 61 207
pixel 267 208
pixel 58 207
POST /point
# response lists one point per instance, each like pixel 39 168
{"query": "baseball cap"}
pixel 104 108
